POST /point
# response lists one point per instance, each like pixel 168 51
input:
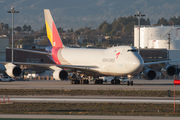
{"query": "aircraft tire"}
pixel 72 81
pixel 78 81
pixel 117 81
pixel 87 81
pixel 100 81
pixel 81 81
pixel 75 81
pixel 131 83
pixel 95 82
pixel 128 83
pixel 111 81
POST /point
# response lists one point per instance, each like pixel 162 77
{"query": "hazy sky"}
pixel 80 13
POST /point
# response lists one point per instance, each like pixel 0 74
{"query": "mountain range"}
pixel 81 13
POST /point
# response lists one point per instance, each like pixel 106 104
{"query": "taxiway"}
pixel 92 99
pixel 139 84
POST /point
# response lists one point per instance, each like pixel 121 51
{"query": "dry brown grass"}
pixel 149 93
pixel 91 109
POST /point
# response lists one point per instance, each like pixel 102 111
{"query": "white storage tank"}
pixel 157 36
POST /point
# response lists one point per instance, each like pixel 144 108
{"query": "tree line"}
pixel 24 28
pixel 6 27
pixel 120 31
pixel 172 21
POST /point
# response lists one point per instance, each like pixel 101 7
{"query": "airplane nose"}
pixel 139 63
pixel 136 63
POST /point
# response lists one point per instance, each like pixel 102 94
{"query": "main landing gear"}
pixel 98 81
pixel 80 81
pixel 115 81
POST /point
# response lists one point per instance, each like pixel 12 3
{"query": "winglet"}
pixel 51 30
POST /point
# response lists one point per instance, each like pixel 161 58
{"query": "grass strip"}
pixel 44 119
pixel 144 93
pixel 28 119
pixel 143 109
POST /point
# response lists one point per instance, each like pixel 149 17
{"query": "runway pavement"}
pixel 44 84
pixel 139 84
pixel 92 99
pixel 84 117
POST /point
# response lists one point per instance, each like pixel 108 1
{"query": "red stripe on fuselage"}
pixel 57 42
pixel 55 55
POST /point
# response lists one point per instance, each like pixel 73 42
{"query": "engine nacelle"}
pixel 60 74
pixel 13 71
pixel 148 74
pixel 168 70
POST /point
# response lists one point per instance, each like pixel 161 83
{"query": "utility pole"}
pixel 169 39
pixel 12 11
pixel 73 38
pixel 139 15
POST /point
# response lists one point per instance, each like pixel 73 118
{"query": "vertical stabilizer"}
pixel 52 33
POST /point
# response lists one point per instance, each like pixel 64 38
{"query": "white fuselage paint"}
pixel 115 61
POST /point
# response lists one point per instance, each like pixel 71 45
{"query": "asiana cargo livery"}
pixel 122 61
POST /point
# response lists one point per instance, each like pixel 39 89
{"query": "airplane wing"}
pixel 159 62
pixel 54 66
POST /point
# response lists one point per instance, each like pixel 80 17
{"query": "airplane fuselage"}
pixel 115 61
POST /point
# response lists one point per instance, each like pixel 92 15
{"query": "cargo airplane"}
pixel 115 61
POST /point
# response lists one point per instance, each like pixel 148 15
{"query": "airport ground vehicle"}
pixel 6 79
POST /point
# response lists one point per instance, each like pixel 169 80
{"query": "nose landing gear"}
pixel 118 80
pixel 129 82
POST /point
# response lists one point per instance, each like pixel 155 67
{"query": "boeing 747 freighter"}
pixel 115 61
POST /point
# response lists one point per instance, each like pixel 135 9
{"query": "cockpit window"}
pixel 132 50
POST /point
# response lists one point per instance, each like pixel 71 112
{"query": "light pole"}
pixel 12 11
pixel 139 15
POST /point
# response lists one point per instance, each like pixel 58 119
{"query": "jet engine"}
pixel 60 74
pixel 148 74
pixel 168 70
pixel 13 71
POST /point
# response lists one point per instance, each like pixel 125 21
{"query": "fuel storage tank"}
pixel 157 37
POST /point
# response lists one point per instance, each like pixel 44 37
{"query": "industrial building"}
pixel 157 38
pixel 4 43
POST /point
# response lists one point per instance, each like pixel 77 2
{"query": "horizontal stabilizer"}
pixel 33 51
